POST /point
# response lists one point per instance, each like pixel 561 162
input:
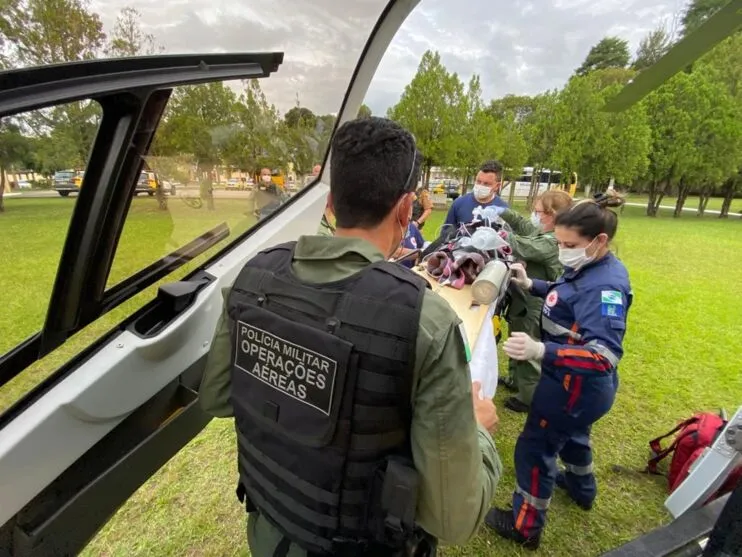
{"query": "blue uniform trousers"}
pixel 559 423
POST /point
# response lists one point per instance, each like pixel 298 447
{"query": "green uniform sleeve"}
pixel 456 459
pixel 216 385
pixel 520 224
pixel 541 248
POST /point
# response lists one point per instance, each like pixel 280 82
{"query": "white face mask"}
pixel 575 258
pixel 265 179
pixel 481 192
pixel 536 220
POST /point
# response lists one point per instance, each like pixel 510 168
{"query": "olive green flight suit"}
pixel 539 252
pixel 456 459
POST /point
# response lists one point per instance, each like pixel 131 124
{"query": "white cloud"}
pixel 520 47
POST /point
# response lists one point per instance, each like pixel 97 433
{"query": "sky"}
pixel 516 46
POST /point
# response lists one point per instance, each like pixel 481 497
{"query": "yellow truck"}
pixel 67 181
pixel 147 183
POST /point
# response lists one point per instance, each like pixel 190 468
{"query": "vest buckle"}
pixel 332 325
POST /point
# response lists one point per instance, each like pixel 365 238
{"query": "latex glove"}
pixel 492 212
pixel 520 277
pixel 522 347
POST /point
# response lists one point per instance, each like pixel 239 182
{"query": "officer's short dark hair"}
pixel 493 166
pixel 374 163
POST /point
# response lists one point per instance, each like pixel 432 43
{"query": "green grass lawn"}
pixel 682 351
pixel 32 233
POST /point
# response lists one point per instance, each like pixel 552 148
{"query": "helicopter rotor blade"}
pixel 714 30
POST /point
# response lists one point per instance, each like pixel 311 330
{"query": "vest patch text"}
pixel 287 367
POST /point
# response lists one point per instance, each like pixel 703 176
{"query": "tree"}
pixel 717 145
pixel 674 111
pixel 14 148
pixel 364 111
pixel 540 131
pixel 698 12
pixel 724 65
pixel 599 145
pixel 512 114
pixel 519 108
pixel 42 32
pixel 481 136
pixel 299 116
pixel 261 139
pixel 200 121
pixel 651 48
pixel 128 39
pixel 610 52
pixel 323 131
pixel 430 107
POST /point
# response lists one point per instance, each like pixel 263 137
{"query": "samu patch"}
pixel 611 303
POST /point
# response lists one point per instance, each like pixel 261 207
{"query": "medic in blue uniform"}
pixel 583 323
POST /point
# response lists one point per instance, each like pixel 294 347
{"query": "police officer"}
pixel 267 195
pixel 582 327
pixel 358 429
pixel 421 208
pixel 533 244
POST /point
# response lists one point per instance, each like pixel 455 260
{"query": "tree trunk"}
pixel 683 189
pixel 703 199
pixel 660 197
pixel 533 191
pixel 729 190
pixel 2 189
pixel 656 194
pixel 511 197
pixel 651 211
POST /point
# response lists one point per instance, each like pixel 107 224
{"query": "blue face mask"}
pixel 536 220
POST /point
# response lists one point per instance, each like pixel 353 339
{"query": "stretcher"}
pixel 479 328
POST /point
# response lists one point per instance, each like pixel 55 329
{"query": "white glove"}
pixel 519 276
pixel 522 347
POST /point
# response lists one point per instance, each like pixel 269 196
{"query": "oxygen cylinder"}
pixel 490 282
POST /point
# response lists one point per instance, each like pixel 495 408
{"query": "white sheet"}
pixel 484 364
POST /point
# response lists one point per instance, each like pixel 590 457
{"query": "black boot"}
pixel 561 483
pixel 516 405
pixel 502 522
pixel 507 382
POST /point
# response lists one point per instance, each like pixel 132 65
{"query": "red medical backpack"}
pixel 695 434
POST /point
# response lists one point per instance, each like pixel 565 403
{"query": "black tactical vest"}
pixel 321 387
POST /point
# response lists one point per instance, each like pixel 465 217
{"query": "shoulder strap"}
pixel 660 453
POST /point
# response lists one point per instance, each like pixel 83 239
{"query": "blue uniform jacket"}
pixel 583 320
pixel 413 239
pixel 461 211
